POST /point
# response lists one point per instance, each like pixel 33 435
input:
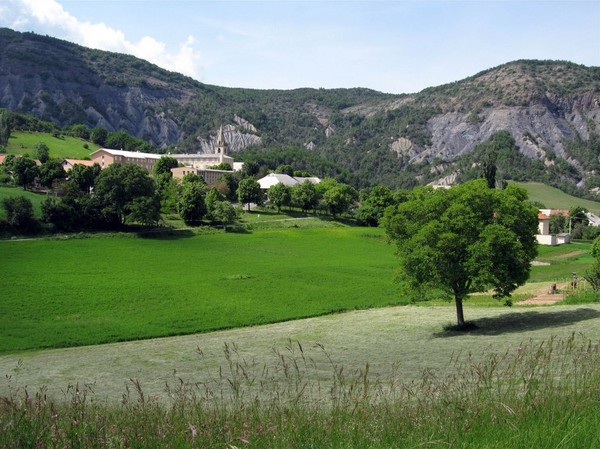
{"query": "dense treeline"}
pixel 121 196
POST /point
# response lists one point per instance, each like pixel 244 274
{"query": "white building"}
pixel 279 178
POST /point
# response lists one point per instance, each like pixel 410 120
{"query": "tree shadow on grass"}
pixel 167 234
pixel 524 321
pixel 238 229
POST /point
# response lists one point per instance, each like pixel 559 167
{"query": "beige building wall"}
pixel 105 157
pixel 202 161
pixel 209 176
pixel 102 158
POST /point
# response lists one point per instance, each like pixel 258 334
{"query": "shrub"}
pixel 19 213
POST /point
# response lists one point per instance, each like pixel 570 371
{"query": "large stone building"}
pixel 206 160
pixel 105 157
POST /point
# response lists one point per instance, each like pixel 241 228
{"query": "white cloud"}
pixel 60 23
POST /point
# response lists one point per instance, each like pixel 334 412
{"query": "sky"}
pixel 394 46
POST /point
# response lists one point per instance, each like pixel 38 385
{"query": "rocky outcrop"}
pixel 234 138
pixel 535 129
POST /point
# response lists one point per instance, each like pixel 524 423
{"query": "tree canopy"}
pixel 25 171
pixel 249 191
pixel 305 195
pixel 373 204
pixel 466 239
pixel 119 189
pixel 191 204
pixel 164 165
pixel 280 195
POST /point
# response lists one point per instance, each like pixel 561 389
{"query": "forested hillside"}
pixel 550 110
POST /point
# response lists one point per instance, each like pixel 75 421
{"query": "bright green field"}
pixel 89 291
pixel 60 147
pixel 36 198
pixel 554 198
pixel 564 260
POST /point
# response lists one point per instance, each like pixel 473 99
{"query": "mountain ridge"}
pixel 376 137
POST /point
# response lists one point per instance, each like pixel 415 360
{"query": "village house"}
pixel 544 236
pixel 105 157
pixel 68 164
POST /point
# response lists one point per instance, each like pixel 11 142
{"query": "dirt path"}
pixel 544 297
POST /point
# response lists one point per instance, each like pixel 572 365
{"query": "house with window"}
pixel 544 236
pixel 68 164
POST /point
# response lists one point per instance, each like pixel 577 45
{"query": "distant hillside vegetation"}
pixel 553 198
pixel 550 109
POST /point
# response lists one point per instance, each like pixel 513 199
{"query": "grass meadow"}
pixel 380 375
pixel 61 147
pixel 554 198
pixel 74 292
pixel 562 261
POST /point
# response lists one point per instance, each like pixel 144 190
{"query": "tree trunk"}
pixel 460 319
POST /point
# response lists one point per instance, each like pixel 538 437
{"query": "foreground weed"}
pixel 536 395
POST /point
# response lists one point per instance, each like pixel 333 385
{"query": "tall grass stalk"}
pixel 536 395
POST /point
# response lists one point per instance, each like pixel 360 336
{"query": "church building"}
pixel 105 157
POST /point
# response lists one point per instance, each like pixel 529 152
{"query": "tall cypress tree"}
pixel 4 128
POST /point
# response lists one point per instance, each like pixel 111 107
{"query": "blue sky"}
pixel 396 46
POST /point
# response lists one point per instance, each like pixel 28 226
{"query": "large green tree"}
pixel 373 204
pixel 5 128
pixel 191 205
pixel 42 151
pixel 305 196
pixel 280 195
pixel 225 213
pixel 249 191
pixel 50 171
pixel 19 212
pixel 25 171
pixel 212 198
pixel 98 135
pixel 578 220
pixel 164 165
pixel 466 239
pixel 83 177
pixel 118 189
pixel 339 198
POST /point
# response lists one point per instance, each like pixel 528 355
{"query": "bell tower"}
pixel 220 144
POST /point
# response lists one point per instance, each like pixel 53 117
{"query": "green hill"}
pixel 61 147
pixel 554 198
pixel 35 198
